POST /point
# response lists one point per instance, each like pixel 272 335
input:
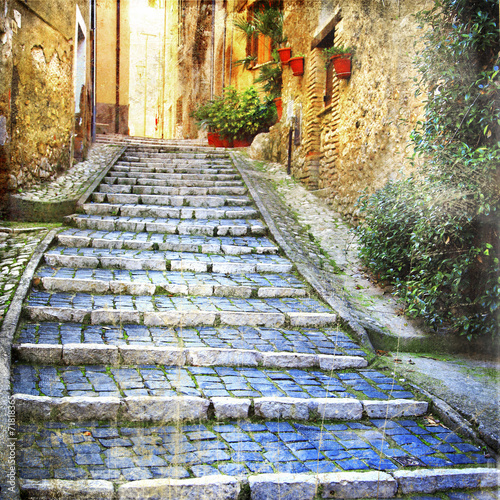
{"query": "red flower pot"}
pixel 243 142
pixel 285 54
pixel 279 106
pixel 297 65
pixel 342 65
pixel 214 139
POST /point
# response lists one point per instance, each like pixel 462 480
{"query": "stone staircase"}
pixel 169 350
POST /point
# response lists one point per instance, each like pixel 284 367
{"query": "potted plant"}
pixel 284 53
pixel 297 65
pixel 267 22
pixel 341 58
pixel 235 117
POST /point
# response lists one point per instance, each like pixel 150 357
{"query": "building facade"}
pixel 45 89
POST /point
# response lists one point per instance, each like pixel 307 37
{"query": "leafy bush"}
pixel 236 114
pixel 435 233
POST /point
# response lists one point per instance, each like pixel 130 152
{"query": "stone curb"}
pixel 304 269
pixel 346 485
pixel 22 208
pixel 181 408
pixel 179 317
pixel 7 333
pixel 88 193
pixel 98 354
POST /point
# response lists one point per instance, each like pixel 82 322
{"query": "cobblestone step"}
pixel 173 190
pixel 264 451
pixel 178 201
pixel 161 241
pixel 299 340
pixel 167 176
pixel 140 282
pixel 174 212
pixel 166 260
pixel 176 311
pixel 171 168
pixel 131 376
pixel 207 227
pixel 139 181
pixel 164 353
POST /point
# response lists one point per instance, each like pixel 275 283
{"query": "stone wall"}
pixel 360 140
pixel 37 94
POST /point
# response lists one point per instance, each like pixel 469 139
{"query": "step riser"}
pixel 122 287
pixel 177 201
pixel 178 318
pixel 168 212
pixel 186 408
pixel 172 191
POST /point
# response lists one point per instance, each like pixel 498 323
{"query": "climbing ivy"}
pixel 435 233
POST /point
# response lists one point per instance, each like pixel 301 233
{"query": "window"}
pixel 260 46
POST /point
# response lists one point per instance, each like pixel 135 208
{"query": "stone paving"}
pixel 16 248
pixel 178 354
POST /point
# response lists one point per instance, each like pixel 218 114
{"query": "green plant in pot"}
pixel 340 56
pixel 236 115
pixel 266 22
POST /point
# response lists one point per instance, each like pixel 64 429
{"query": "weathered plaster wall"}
pixel 360 141
pixel 37 93
pixel 106 41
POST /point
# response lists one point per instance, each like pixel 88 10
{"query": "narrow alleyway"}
pixel 169 349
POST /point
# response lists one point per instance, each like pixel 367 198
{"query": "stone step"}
pixel 276 457
pixel 172 191
pixel 166 260
pixel 167 211
pixel 176 311
pixel 139 181
pixel 206 227
pixel 178 201
pixel 161 241
pixel 215 486
pixel 186 176
pixel 204 158
pixel 165 408
pixel 299 340
pixel 139 282
pixel 172 168
pixel 197 372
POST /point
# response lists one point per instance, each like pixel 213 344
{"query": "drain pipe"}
pixel 290 140
pixel 117 90
pixel 93 33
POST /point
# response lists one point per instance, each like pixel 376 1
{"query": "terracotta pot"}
pixel 285 54
pixel 342 65
pixel 242 142
pixel 214 139
pixel 279 106
pixel 297 65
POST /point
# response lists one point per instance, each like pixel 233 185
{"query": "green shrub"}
pixel 435 234
pixel 236 114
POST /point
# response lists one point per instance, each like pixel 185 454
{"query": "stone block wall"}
pixel 361 139
pixel 37 94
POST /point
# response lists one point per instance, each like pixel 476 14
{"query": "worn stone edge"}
pixel 350 485
pixel 7 333
pixel 335 302
pixel 30 407
pixel 457 423
pixel 85 196
pixel 194 356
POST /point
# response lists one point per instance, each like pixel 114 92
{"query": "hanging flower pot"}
pixel 342 65
pixel 279 106
pixel 297 65
pixel 285 54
